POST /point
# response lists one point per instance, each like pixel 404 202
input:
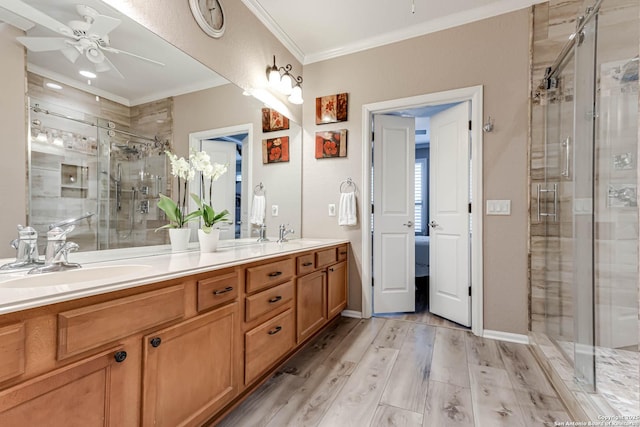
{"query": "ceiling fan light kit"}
pixel 88 37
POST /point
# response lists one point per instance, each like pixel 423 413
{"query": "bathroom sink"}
pixel 70 277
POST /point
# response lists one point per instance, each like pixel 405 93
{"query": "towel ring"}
pixel 259 190
pixel 344 185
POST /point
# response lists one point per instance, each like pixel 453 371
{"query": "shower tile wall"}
pixel 47 205
pixel 616 178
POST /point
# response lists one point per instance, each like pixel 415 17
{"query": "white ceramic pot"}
pixel 209 241
pixel 179 238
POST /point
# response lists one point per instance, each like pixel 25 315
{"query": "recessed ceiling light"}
pixel 88 74
pixel 52 85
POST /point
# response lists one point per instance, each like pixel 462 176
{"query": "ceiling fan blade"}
pixel 71 53
pixel 36 16
pixel 114 50
pixel 103 25
pixel 107 65
pixel 43 44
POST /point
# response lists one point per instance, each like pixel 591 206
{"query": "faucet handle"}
pixel 68 247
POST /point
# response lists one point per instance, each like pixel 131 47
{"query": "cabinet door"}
pixel 85 394
pixel 337 288
pixel 311 304
pixel 191 369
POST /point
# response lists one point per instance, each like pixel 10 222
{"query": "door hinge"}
pixel 372 282
pixel 469 207
pixel 372 208
pixel 469 124
pixel 373 134
pixel 469 290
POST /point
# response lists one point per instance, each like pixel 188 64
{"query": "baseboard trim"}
pixel 352 313
pixel 506 336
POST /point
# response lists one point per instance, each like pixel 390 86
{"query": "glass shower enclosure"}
pixel 588 206
pixel 82 164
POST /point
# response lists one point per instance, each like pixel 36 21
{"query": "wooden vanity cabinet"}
pixel 190 370
pixel 311 304
pixel 336 288
pixel 87 393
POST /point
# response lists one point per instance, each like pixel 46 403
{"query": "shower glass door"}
pixel 566 206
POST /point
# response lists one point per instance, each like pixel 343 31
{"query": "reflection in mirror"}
pixel 96 144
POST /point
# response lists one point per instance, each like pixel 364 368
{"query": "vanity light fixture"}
pixel 281 79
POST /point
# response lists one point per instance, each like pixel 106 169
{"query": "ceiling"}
pixel 318 30
pixel 143 81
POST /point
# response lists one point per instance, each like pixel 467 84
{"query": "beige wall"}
pixel 200 111
pixel 493 53
pixel 13 136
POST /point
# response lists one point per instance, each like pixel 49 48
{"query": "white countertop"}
pixel 113 270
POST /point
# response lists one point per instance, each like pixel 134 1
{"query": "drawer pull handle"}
pixel 343 253
pixel 223 291
pixel 331 269
pixel 275 274
pixel 275 330
pixel 120 356
pixel 155 342
pixel 275 299
pixel 307 264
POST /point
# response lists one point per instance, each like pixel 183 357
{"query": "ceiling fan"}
pixel 88 37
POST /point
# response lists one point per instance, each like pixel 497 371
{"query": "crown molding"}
pixel 263 16
pixel 465 17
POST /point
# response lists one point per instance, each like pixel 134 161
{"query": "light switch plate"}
pixel 498 207
pixel 332 209
pixel 274 210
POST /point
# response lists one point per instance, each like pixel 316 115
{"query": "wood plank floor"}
pixel 405 370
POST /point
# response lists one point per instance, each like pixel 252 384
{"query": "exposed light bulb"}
pixel 296 95
pixel 87 74
pixel 286 85
pixel 52 85
pixel 274 77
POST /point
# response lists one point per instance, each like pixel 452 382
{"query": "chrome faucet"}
pixel 262 233
pixel 283 232
pixel 27 246
pixel 56 254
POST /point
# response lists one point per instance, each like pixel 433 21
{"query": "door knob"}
pixel 408 224
pixel 433 224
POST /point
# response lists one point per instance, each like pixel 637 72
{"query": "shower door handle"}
pixel 566 144
pixel 553 190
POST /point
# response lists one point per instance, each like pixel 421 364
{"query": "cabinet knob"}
pixel 120 356
pixel 331 269
pixel 275 299
pixel 275 274
pixel 275 330
pixel 155 342
pixel 223 291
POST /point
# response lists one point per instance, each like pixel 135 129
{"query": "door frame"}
pixel 474 94
pixel 247 156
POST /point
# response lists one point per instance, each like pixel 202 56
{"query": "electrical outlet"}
pixel 332 209
pixel 274 210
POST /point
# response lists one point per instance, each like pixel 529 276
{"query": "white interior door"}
pixel 449 268
pixel 224 189
pixel 393 236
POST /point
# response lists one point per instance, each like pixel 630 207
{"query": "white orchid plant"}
pixel 211 172
pixel 185 171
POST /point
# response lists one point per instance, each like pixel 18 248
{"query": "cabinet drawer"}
pixel 12 351
pixel 217 290
pixel 263 276
pixel 85 328
pixel 306 264
pixel 342 253
pixel 326 257
pixel 267 343
pixel 265 301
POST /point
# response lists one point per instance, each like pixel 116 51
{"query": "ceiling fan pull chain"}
pixel 413 7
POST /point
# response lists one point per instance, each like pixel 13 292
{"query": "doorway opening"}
pixel 230 146
pixel 394 258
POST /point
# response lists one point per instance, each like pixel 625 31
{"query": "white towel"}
pixel 258 210
pixel 347 213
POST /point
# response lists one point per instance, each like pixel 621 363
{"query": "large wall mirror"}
pixel 97 139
